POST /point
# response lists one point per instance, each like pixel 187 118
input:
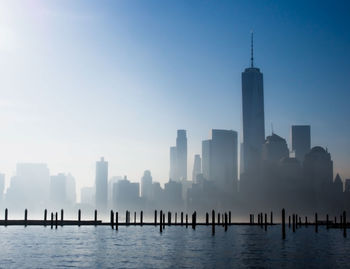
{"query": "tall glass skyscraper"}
pixel 101 184
pixel 181 154
pixel 253 117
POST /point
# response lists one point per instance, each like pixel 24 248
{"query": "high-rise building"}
pixel 87 195
pixel 173 157
pixel 274 149
pixel 2 186
pixel 58 189
pixel 101 184
pixel 181 154
pixel 220 160
pixel 253 116
pixel 71 189
pixel 300 140
pixel 197 167
pixel 146 185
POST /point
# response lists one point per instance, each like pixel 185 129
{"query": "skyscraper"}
pixel 101 184
pixel 253 116
pixel 173 173
pixel 301 141
pixel 197 167
pixel 220 160
pixel 146 185
pixel 181 155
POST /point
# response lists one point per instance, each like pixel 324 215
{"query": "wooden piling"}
pixel 182 218
pixel 95 217
pixel 160 221
pixel 51 220
pixel 135 217
pixel 141 218
pixel 45 217
pixel 341 221
pixel 344 223
pixel 262 220
pixel 206 218
pixel 265 222
pixel 79 217
pixel 271 217
pixel 155 217
pixel 335 220
pixel 213 222
pixel 293 223
pixel 229 217
pixel 296 221
pixel 175 217
pixel 186 220
pixel 288 221
pixel 316 223
pixel 218 218
pixel 225 222
pixel 62 217
pixel 169 218
pixel 6 216
pixel 56 220
pixel 112 219
pixel 25 217
pixel 222 220
pixel 163 221
pixel 116 221
pixel 283 224
pixel 327 220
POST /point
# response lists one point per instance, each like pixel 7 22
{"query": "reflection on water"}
pixel 145 247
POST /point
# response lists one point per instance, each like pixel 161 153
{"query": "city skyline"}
pixel 147 120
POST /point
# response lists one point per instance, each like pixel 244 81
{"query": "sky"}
pixel 84 79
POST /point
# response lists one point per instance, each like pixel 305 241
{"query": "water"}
pixel 177 247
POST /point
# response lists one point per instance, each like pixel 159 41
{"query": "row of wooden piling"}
pixel 295 222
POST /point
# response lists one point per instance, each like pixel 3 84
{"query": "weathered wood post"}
pixel 116 220
pixel 95 217
pixel 271 217
pixel 51 220
pixel 186 220
pixel 327 224
pixel 299 221
pixel 225 222
pixel 45 217
pixel 182 218
pixel 112 219
pixel 6 216
pixel 335 220
pixel 293 223
pixel 316 223
pixel 155 217
pixel 218 218
pixel 25 217
pixel 135 217
pixel 195 219
pixel 79 217
pixel 163 221
pixel 341 221
pixel 175 217
pixel 344 225
pixel 160 221
pixel 306 221
pixel 56 220
pixel 283 224
pixel 169 218
pixel 229 217
pixel 288 221
pixel 296 221
pixel 262 220
pixel 223 219
pixel 259 219
pixel 206 218
pixel 141 218
pixel 213 222
pixel 265 222
pixel 62 217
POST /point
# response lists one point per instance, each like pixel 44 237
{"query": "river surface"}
pixel 176 247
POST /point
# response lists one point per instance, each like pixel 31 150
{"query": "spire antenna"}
pixel 251 49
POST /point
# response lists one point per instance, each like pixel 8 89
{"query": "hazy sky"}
pixel 85 79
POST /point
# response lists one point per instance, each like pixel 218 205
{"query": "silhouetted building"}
pixel 87 195
pixel 253 117
pixel 274 149
pixel 146 185
pixel 71 189
pixel 173 194
pixel 30 186
pixel 220 155
pixel 173 158
pixel 338 185
pixel 181 155
pixel 101 195
pixel 197 167
pixel 125 193
pixel 111 182
pixel 347 185
pixel 2 186
pixel 58 191
pixel 301 141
